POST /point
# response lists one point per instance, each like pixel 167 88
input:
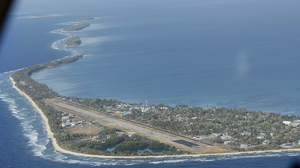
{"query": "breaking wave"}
pixel 38 139
pixel 59 44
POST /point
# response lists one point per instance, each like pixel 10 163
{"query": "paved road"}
pixel 121 123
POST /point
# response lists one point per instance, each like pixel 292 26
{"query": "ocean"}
pixel 223 53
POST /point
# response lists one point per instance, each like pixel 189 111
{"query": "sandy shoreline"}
pixel 69 31
pixel 73 45
pixel 58 148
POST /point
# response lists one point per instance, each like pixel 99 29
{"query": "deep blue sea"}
pixel 218 53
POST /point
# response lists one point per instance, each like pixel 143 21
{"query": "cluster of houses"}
pixel 125 109
pixel 290 123
pixel 23 83
pixel 211 136
pixel 295 123
pixel 98 138
pixel 70 120
pixel 262 136
pixel 181 118
pixel 229 139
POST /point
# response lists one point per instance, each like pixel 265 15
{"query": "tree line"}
pixel 76 27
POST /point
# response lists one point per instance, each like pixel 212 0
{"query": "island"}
pixel 73 42
pixel 119 129
pixel 67 128
pixel 83 19
pixel 40 15
pixel 75 28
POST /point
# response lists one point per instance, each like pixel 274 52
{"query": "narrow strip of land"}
pixel 139 124
pixel 121 123
pixel 179 141
pixel 128 125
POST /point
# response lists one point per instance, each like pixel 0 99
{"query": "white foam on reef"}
pixel 26 115
pixel 205 160
pixel 169 161
pixel 90 161
pixel 38 139
pixel 60 44
pixel 2 96
pixel 57 44
pixel 65 23
pixel 34 130
pixel 11 105
pixel 293 154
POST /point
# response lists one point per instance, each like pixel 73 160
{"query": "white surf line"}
pixel 121 123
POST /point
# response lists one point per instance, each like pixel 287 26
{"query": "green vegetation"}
pixel 38 15
pixel 241 126
pixel 109 131
pixel 76 27
pixel 109 143
pixel 94 103
pixel 83 19
pixel 37 92
pixel 73 41
pixel 124 145
pixel 157 145
pixel 131 146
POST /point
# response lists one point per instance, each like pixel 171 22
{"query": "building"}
pixel 294 124
pixel 178 115
pixel 287 122
pixel 23 83
pixel 118 113
pixel 266 142
pixel 244 146
pixel 226 137
pixel 216 134
pixel 227 142
pixel 260 137
pixel 286 145
pixel 211 136
pixel 163 108
pixel 65 117
pixel 246 133
pixel 65 124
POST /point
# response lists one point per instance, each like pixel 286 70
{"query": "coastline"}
pixel 58 148
pixel 73 45
pixel 68 31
